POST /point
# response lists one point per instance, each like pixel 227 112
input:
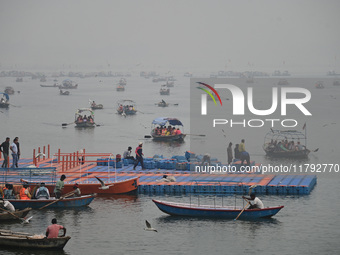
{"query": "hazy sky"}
pixel 269 34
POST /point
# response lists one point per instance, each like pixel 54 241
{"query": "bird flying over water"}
pixel 103 184
pixel 148 227
pixel 26 220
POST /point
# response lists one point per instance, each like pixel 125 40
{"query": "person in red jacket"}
pixel 139 156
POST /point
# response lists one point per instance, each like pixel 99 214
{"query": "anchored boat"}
pixel 164 129
pixel 5 216
pixel 211 211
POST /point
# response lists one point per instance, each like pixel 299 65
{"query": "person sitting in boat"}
pixel 93 104
pixel 178 132
pixel 127 153
pixel 256 204
pixel 163 131
pixel 25 193
pixel 291 146
pixel 8 192
pixel 42 192
pixel 52 231
pixel 89 118
pixel 299 147
pixel 76 190
pixel 6 205
pixel 158 131
pixel 120 108
pixel 84 118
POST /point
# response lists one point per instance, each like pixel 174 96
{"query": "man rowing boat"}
pixel 257 203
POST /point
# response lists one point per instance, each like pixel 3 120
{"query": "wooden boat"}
pixel 64 93
pixel 43 79
pixel 9 90
pixel 162 104
pixel 70 202
pixel 29 241
pixel 127 107
pixel 80 119
pixel 68 84
pixel 119 187
pixel 164 91
pixel 170 84
pixel 19 80
pixel 120 88
pixel 95 106
pixel 210 211
pixel 4 216
pixel 49 86
pixel 4 100
pixel 283 82
pixel 274 146
pixel 319 85
pixel 161 123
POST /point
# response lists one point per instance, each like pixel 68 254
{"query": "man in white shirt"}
pixel 14 150
pixel 256 204
pixel 7 205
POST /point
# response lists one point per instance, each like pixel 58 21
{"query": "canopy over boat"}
pixel 162 121
pixel 5 95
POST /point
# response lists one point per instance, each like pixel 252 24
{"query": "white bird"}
pixel 26 220
pixel 148 227
pixel 39 155
pixel 103 184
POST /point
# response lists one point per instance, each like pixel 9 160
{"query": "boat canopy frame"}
pixel 279 135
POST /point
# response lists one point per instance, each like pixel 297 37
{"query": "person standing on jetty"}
pixel 230 153
pixel 4 148
pixel 18 146
pixel 14 150
pixel 59 187
pixel 244 155
pixel 139 156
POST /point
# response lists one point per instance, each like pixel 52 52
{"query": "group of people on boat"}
pixel 285 145
pixel 126 108
pixel 84 119
pixel 166 131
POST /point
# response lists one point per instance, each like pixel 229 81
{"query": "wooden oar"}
pixel 242 211
pixel 65 196
pixel 193 134
pixel 12 214
pixel 66 124
pixel 147 136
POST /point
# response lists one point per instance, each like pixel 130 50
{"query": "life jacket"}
pixel 23 196
pixel 42 192
pixel 4 191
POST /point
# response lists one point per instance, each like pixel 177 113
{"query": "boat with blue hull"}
pixel 63 203
pixel 210 211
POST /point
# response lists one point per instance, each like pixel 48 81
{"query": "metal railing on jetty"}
pixel 37 175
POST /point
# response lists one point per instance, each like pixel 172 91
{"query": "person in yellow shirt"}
pixel 241 146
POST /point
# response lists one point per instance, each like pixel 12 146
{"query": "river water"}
pixel 114 225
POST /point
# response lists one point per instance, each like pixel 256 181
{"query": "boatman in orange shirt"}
pixel 25 193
